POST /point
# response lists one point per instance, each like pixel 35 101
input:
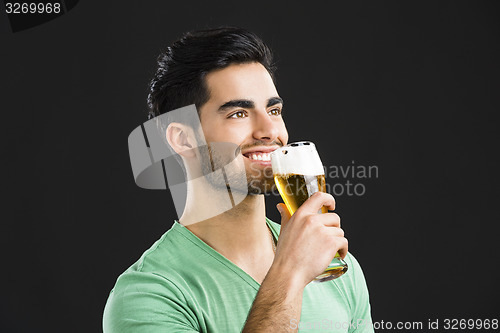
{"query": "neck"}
pixel 239 230
pixel 240 233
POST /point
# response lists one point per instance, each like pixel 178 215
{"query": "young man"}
pixel 221 271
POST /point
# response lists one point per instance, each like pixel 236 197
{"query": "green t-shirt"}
pixel 183 285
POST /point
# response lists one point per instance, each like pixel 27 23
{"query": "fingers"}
pixel 344 244
pixel 316 202
pixel 335 233
pixel 338 242
pixel 326 219
pixel 285 214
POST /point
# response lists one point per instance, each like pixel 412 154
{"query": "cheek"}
pixel 234 134
pixel 223 131
pixel 212 130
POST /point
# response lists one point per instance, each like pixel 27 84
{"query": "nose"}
pixel 265 129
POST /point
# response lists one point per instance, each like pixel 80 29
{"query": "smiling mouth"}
pixel 259 156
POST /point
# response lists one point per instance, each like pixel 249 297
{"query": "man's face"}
pixel 245 109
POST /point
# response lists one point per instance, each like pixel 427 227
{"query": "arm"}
pixel 277 303
pixel 307 244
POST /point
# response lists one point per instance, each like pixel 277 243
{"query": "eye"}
pixel 274 112
pixel 238 114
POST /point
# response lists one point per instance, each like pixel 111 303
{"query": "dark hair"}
pixel 180 78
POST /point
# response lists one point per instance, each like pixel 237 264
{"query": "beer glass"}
pixel 298 173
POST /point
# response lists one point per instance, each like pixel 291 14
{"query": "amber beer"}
pixel 296 189
pixel 298 174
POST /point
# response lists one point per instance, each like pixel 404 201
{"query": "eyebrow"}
pixel 274 100
pixel 248 104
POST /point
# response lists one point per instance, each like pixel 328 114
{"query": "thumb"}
pixel 285 214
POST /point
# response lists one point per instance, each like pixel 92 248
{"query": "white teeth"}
pixel 260 156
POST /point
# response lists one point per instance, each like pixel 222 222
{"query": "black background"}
pixel 410 87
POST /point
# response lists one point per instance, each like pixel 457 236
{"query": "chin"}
pixel 256 187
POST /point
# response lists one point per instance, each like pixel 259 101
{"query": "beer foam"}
pixel 297 158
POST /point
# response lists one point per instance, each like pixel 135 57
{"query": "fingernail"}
pixel 279 209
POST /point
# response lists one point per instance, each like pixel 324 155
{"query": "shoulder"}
pixel 351 260
pixel 155 270
pixel 354 288
pixel 354 275
pixel 151 287
pixel 161 264
pixel 168 254
pixel 141 300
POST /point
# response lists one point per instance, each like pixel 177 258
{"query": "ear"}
pixel 181 138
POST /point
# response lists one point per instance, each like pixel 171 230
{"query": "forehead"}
pixel 240 81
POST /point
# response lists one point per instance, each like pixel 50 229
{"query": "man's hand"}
pixel 308 241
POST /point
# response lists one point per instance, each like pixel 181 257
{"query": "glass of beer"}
pixel 298 174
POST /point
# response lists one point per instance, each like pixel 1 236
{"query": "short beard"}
pixel 261 184
pixel 214 167
pixel 231 179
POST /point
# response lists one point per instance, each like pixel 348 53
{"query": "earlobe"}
pixel 179 137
